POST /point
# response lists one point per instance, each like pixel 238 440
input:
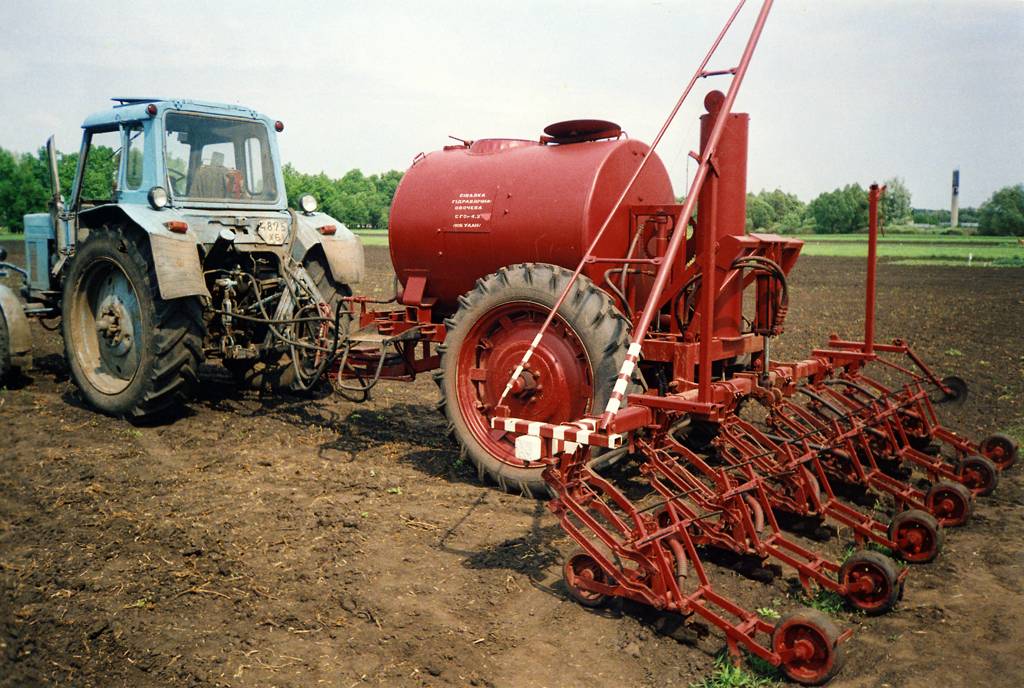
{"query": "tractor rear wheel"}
pixel 5 348
pixel 570 374
pixel 131 353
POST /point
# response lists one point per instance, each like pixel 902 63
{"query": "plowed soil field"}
pixel 260 541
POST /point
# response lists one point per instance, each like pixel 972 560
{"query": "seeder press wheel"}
pixel 917 535
pixel 569 375
pixel 807 643
pixel 1001 449
pixel 872 582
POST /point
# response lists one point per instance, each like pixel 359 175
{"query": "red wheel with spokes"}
pixel 807 643
pixel 1001 449
pixel 950 503
pixel 580 570
pixel 980 475
pixel 917 535
pixel 872 582
pixel 569 375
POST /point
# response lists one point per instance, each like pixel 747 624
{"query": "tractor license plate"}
pixel 272 231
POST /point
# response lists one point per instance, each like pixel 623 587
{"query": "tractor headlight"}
pixel 158 197
pixel 308 204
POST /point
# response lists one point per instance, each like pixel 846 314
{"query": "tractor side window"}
pixel 133 161
pixel 99 179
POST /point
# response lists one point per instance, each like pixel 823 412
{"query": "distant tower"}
pixel 954 208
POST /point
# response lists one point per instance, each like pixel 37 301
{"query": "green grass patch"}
pixel 372 237
pixel 1016 430
pixel 760 674
pixel 933 250
pixel 10 236
pixel 826 601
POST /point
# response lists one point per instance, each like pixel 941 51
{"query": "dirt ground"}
pixel 285 542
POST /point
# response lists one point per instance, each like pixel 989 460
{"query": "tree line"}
pixel 845 210
pixel 364 201
pixel 355 199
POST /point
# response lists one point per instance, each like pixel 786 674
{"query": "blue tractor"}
pixel 193 257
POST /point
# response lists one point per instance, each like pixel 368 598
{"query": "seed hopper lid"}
pixel 578 130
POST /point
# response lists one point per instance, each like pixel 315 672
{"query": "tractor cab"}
pixel 157 154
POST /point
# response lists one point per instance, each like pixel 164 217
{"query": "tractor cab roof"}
pixel 134 109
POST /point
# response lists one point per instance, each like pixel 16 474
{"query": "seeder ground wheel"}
pixel 980 475
pixel 579 569
pixel 872 582
pixel 808 645
pixel 950 503
pixel 570 374
pixel 917 535
pixel 1001 449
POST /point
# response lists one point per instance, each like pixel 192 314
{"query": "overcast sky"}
pixel 839 90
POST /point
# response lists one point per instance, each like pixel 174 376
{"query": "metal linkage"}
pixel 869 581
pixel 844 445
pixel 796 474
pixel 652 557
pixel 900 434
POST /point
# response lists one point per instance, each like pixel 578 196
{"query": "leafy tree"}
pixel 841 211
pixel 1003 213
pixel 776 211
pixel 24 188
pixel 895 206
pixel 760 214
pixel 355 199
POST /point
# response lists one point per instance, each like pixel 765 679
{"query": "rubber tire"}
pixel 987 466
pixel 585 598
pixel 319 272
pixel 827 626
pixel 966 495
pixel 924 517
pixel 588 310
pixel 986 446
pixel 5 350
pixel 887 565
pixel 171 332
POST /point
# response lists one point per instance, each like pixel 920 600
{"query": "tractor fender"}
pixel 343 249
pixel 179 271
pixel 19 337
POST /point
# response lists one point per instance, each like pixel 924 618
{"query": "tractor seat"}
pixel 210 181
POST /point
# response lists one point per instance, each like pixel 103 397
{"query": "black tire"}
pixel 5 349
pixel 1000 449
pixel 319 272
pixel 582 564
pixel 167 337
pixel 588 314
pixel 921 547
pixel 829 655
pixel 980 475
pixel 881 570
pixel 957 497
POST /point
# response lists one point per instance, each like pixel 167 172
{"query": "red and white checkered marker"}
pixel 565 437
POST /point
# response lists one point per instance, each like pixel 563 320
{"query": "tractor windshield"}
pixel 218 159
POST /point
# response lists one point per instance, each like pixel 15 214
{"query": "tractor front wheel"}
pixel 131 353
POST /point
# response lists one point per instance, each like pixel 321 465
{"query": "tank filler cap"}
pixel 579 130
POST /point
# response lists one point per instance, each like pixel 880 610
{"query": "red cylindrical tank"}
pixel 731 204
pixel 463 212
